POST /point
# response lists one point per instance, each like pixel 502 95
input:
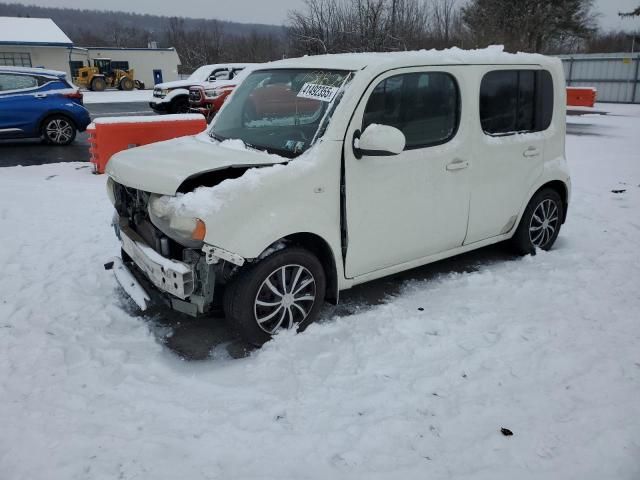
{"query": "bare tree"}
pixel 335 26
pixel 635 13
pixel 443 18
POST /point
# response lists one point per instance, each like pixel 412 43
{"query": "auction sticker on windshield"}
pixel 324 93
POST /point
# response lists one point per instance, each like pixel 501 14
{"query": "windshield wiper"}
pixel 216 137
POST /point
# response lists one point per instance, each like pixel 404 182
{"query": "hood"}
pixel 177 84
pixel 162 167
pixel 218 84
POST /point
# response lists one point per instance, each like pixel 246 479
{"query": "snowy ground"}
pixel 546 346
pixel 117 96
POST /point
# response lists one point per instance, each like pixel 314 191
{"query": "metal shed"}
pixel 616 76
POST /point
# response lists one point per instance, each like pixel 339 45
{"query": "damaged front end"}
pixel 162 260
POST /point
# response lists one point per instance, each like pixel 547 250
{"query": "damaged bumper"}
pixel 129 282
pixel 150 278
pixel 170 276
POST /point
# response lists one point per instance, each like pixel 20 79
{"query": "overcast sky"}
pixel 275 11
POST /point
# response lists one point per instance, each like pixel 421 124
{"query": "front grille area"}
pixel 132 205
pixel 195 96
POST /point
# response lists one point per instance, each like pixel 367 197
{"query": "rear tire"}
pixel 284 290
pixel 98 84
pixel 58 130
pixel 139 85
pixel 540 223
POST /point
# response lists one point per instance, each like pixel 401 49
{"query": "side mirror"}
pixel 378 141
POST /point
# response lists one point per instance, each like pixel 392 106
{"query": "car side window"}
pixel 516 101
pixel 10 81
pixel 424 106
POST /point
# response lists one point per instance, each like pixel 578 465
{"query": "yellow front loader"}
pixel 102 76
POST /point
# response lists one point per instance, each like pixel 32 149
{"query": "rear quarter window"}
pixel 516 101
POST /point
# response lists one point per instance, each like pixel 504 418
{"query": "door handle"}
pixel 531 152
pixel 457 165
pixel 40 95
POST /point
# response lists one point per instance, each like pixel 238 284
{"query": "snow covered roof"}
pixel 32 31
pixel 388 60
pixel 34 70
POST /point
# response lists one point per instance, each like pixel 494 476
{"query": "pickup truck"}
pixel 173 97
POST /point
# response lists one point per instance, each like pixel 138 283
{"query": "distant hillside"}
pixel 98 28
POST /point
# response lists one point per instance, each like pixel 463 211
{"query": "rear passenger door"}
pixel 17 97
pixel 515 109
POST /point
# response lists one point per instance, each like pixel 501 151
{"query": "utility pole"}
pixel 393 18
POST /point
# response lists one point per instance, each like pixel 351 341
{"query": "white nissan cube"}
pixel 324 172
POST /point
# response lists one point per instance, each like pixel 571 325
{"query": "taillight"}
pixel 76 95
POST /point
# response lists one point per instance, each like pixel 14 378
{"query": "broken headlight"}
pixel 187 231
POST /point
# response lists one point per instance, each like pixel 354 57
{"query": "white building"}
pixel 39 42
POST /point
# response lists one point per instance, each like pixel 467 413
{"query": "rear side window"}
pixel 424 106
pixel 10 81
pixel 516 101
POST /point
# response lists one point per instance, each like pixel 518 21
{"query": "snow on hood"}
pixel 206 200
pixel 177 84
pixel 163 166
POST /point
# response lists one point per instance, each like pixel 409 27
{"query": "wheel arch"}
pixel 561 189
pixel 321 249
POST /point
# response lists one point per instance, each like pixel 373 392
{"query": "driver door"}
pixel 402 208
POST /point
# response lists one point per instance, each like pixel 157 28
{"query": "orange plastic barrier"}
pixel 581 96
pixel 108 136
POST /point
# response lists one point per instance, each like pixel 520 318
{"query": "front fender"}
pixel 249 213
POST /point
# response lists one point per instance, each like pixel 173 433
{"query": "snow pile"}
pixel 417 387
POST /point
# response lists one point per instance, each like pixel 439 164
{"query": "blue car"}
pixel 38 103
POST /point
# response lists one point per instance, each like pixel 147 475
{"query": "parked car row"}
pixel 38 103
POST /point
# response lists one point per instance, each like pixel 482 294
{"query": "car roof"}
pixel 34 71
pixel 494 55
pixel 229 65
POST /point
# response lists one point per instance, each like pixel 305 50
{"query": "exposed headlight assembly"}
pixel 187 231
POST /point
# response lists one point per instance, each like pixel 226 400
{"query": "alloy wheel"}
pixel 544 223
pixel 59 131
pixel 285 298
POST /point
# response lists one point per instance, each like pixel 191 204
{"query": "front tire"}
pixel 540 223
pixel 126 84
pixel 284 290
pixel 58 130
pixel 179 105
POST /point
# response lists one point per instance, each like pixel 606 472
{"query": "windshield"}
pixel 281 111
pixel 201 74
